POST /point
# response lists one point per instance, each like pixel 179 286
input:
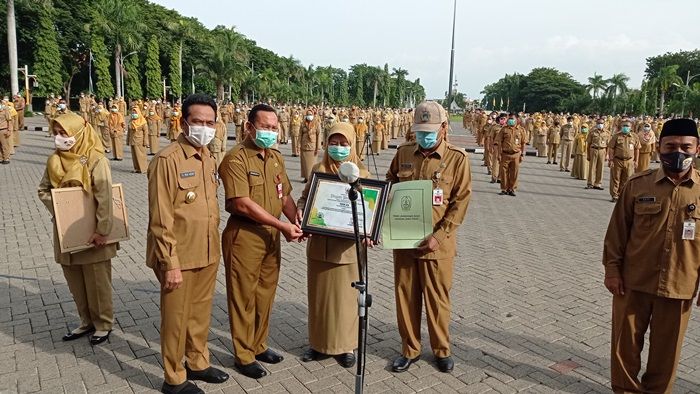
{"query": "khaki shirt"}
pixel 622 146
pixel 246 173
pixel 644 244
pixel 510 140
pixel 183 220
pixel 598 138
pixel 310 132
pixel 554 135
pixel 455 180
pixel 567 132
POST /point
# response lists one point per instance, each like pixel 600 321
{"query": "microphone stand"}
pixel 364 300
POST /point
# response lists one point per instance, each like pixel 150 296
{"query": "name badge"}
pixel 689 229
pixel 437 197
pixel 406 166
pixel 254 173
pixel 188 174
pixel 646 199
pixel 631 146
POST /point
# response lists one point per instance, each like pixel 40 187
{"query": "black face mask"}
pixel 676 161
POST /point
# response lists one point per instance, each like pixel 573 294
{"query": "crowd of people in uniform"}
pixel 11 122
pixel 644 270
pixel 580 144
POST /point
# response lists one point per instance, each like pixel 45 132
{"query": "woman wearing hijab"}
pixel 153 120
pixel 175 129
pixel 138 131
pixel 79 160
pixel 331 268
pixel 310 131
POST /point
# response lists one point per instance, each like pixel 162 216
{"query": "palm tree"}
pixel 596 83
pixel 12 45
pixel 617 85
pixel 181 28
pixel 122 24
pixel 226 57
pixel 664 80
pixel 400 75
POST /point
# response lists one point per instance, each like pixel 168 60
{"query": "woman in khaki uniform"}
pixel 309 135
pixel 175 129
pixel 79 161
pixel 377 136
pixel 138 130
pixel 115 124
pixel 579 169
pixel 360 133
pixel 648 140
pixel 217 146
pixel 153 120
pixel 331 268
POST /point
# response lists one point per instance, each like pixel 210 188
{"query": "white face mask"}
pixel 200 135
pixel 309 117
pixel 64 143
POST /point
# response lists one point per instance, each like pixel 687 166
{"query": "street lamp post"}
pixel 121 70
pixel 25 70
pixel 452 57
pixel 685 91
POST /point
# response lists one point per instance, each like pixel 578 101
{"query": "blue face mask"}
pixel 426 139
pixel 338 152
pixel 626 129
pixel 265 138
pixel 511 122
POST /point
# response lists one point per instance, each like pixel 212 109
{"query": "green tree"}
pixel 154 88
pixel 666 78
pixel 47 56
pixel 226 57
pixel 175 77
pixel 617 85
pixel 133 78
pixel 596 84
pixel 548 89
pixel 100 56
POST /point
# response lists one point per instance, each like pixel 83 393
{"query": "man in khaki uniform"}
pixel 257 193
pixel 101 121
pixel 238 120
pixel 5 134
pixel 182 202
pixel 309 143
pixel 284 125
pixel 651 259
pixel 426 272
pixel 295 131
pixel 509 144
pixel 623 156
pixel 568 132
pixel 553 140
pixel 20 106
pixel 597 142
pixel 494 157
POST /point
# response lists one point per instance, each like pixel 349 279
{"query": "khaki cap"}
pixel 428 116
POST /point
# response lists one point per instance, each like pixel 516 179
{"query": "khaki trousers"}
pixel 644 161
pixel 283 133
pixel 632 314
pixel 552 152
pixel 185 314
pixel 565 154
pixel 494 165
pixel 20 119
pixel 620 172
pixel 5 146
pixel 595 167
pixel 296 138
pixel 510 166
pixel 239 133
pixel 252 254
pixel 417 280
pixel 91 287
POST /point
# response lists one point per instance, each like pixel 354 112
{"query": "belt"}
pixel 619 158
pixel 598 147
pixel 243 219
pixel 3 129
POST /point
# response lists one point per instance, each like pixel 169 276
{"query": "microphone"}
pixel 349 173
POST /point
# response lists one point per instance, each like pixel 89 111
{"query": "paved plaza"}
pixel 530 312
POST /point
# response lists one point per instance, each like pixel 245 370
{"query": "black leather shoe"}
pixel 269 356
pixel 445 364
pixel 346 360
pixel 186 387
pixel 253 370
pixel 209 375
pixel 96 340
pixel 70 336
pixel 511 193
pixel 310 355
pixel 503 193
pixel 402 363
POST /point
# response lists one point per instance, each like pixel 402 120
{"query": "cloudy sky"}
pixel 493 38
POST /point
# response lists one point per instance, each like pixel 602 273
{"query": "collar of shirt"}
pixel 251 149
pixel 187 148
pixel 440 150
pixel 661 175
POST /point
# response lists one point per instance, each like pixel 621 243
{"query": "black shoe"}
pixel 310 355
pixel 269 356
pixel 402 363
pixel 253 370
pixel 186 387
pixel 503 193
pixel 549 162
pixel 511 193
pixel 445 364
pixel 614 199
pixel 96 340
pixel 598 188
pixel 70 336
pixel 554 162
pixel 493 181
pixel 209 375
pixel 346 360
pixel 589 187
pixel 5 162
pixel 498 181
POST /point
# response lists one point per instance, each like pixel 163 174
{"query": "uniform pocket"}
pixel 257 188
pixel 646 214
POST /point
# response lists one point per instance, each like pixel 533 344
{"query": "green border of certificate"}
pixel 408 218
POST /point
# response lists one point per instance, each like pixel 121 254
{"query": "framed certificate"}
pixel 409 215
pixel 74 212
pixel 328 210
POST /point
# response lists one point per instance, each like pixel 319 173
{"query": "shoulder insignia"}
pixel 457 149
pixel 643 173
